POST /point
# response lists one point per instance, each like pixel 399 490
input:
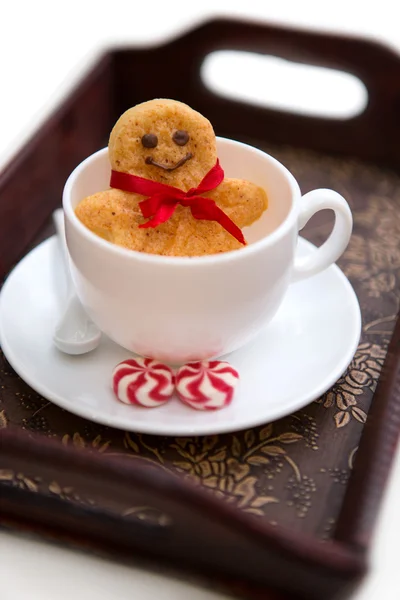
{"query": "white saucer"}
pixel 300 355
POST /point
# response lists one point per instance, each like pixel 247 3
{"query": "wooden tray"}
pixel 281 511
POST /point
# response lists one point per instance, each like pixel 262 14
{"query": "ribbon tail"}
pixel 162 214
pixel 152 205
pixel 206 209
pixel 231 227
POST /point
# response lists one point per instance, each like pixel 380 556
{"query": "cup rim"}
pixel 229 256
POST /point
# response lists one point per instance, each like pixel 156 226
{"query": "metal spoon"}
pixel 75 332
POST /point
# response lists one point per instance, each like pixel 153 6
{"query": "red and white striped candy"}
pixel 207 385
pixel 143 381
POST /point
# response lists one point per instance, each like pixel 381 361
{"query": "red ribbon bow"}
pixel 163 199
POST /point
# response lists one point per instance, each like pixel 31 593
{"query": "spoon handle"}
pixel 58 220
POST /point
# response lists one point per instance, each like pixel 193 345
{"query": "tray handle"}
pixel 361 56
pixel 197 532
pixel 371 134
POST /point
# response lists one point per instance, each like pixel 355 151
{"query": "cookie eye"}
pixel 181 137
pixel 150 140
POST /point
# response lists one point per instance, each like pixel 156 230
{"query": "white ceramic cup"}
pixel 179 309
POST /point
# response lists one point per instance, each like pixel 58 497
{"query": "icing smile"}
pixel 149 161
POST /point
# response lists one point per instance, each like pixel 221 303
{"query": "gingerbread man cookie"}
pixel 168 194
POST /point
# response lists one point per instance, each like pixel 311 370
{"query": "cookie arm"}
pixel 243 201
pixel 110 212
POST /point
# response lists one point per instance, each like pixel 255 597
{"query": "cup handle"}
pixel 336 243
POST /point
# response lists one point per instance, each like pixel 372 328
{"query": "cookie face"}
pixel 163 140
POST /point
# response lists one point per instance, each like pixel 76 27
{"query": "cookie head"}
pixel 163 140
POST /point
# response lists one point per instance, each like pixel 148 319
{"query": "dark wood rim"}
pixel 31 184
pixel 377 447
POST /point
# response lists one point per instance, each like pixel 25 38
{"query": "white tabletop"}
pixel 45 48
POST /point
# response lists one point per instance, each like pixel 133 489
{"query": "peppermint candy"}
pixel 206 385
pixel 143 381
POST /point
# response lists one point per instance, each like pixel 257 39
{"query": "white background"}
pixel 44 48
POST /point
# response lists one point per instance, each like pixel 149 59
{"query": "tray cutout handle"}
pixel 276 83
pixel 370 135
